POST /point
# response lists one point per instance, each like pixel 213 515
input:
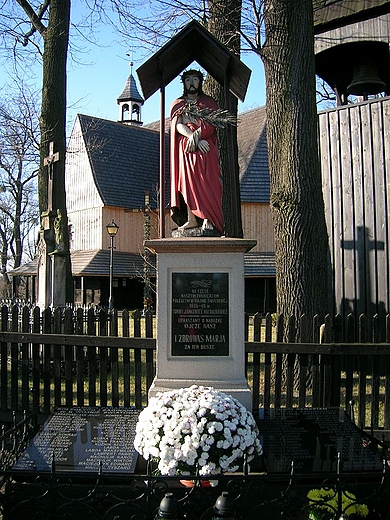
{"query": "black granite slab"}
pixel 200 314
pixel 81 438
pixel 312 438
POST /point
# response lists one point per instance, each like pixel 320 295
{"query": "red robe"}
pixel 195 176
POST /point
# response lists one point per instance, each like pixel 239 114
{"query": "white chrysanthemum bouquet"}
pixel 196 429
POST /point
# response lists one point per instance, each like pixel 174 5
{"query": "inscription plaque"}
pixel 81 439
pixel 200 314
pixel 312 438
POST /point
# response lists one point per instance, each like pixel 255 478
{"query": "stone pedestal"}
pixel 51 269
pixel 200 314
pixel 58 286
pixel 45 245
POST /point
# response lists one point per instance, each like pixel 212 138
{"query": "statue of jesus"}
pixel 196 185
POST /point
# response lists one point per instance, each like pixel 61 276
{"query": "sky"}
pixel 95 89
pixel 97 80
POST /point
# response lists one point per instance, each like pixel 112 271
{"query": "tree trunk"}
pixel 17 221
pixel 301 244
pixel 224 24
pixel 53 117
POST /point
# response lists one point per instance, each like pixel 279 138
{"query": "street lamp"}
pixel 112 230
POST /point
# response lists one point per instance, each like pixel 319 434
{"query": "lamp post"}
pixel 112 230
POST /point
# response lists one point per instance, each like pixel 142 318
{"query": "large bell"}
pixel 366 80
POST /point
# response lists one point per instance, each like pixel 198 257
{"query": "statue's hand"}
pixel 203 146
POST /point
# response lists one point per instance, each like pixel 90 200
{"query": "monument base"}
pixel 200 314
pixel 237 389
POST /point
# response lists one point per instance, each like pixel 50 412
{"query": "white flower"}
pixel 196 428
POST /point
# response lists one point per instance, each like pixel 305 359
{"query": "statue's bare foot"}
pixel 207 224
pixel 189 224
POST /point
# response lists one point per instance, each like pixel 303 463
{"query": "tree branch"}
pixel 35 19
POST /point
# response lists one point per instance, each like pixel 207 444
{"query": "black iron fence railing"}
pixel 236 497
pixel 14 440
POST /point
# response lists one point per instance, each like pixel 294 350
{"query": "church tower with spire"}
pixel 130 102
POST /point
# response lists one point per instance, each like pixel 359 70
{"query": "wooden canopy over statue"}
pixel 193 43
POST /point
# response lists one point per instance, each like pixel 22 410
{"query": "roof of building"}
pixel 95 263
pixel 122 150
pixel 259 265
pixel 124 160
pixel 130 92
pixel 253 157
pixel 329 14
pixel 125 265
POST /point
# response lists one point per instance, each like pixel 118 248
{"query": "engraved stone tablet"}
pixel 82 439
pixel 312 438
pixel 200 314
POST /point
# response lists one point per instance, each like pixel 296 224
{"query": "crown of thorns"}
pixel 192 72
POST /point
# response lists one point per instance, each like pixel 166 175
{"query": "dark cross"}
pixel 49 162
pixel 363 246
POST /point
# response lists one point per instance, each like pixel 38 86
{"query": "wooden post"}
pixel 162 159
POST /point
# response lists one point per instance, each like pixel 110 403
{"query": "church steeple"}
pixel 130 102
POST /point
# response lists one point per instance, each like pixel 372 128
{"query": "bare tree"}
pixel 31 24
pixel 19 165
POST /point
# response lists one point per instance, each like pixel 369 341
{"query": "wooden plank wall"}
pixel 257 224
pixel 355 163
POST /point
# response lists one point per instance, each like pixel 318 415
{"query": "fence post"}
pixel 92 365
pixel 36 356
pixel 375 367
pixel 137 361
pixel 14 360
pixel 316 366
pixel 279 362
pixel 103 358
pixel 267 363
pixel 80 358
pixel 150 371
pixel 4 360
pixel 362 335
pixel 336 362
pixel 25 360
pixel 126 359
pixel 47 349
pixel 59 357
pixel 326 362
pixel 256 362
pixel 305 378
pixel 290 362
pixel 114 360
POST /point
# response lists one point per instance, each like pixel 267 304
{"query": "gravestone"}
pixel 200 309
pixel 313 438
pixel 84 439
